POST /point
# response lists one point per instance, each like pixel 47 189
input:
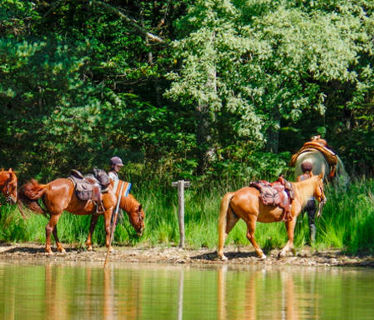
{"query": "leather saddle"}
pixel 91 186
pixel 319 144
pixel 278 194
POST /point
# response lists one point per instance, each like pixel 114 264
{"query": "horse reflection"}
pixel 257 299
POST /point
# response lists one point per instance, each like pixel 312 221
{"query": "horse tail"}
pixel 28 196
pixel 222 222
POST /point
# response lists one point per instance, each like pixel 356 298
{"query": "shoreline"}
pixel 306 256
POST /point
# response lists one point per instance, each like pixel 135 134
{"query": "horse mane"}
pixel 305 189
pixel 11 177
pixel 2 174
pixel 130 202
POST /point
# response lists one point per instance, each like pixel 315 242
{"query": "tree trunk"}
pixel 272 141
pixel 204 138
pixel 205 127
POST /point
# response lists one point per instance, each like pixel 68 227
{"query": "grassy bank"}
pixel 347 222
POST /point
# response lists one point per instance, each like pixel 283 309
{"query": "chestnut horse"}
pixel 245 203
pixel 8 185
pixel 59 196
pixel 133 209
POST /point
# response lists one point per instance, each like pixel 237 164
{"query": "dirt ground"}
pixel 32 252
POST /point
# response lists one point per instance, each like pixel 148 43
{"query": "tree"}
pixel 268 62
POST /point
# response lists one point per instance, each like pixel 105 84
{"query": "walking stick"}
pixel 114 222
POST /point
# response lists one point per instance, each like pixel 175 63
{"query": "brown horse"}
pixel 131 206
pixel 246 204
pixel 59 196
pixel 8 185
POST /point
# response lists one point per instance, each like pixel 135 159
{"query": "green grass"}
pixel 347 222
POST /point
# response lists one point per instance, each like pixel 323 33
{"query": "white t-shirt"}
pixel 113 175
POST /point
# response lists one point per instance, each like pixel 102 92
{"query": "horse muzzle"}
pixel 11 200
pixel 140 232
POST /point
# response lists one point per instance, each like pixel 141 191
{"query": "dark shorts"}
pixel 311 209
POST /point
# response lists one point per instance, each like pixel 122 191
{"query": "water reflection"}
pixel 288 293
pixel 180 292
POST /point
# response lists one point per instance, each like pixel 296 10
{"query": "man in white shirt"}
pixel 116 165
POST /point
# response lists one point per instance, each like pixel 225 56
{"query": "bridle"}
pixel 322 198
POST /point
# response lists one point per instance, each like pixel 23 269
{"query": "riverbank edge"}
pixel 306 256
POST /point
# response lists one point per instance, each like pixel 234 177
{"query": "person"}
pixel 116 165
pixel 310 207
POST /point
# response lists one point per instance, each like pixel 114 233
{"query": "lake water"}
pixel 142 291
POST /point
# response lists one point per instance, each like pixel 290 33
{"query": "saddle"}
pixel 90 187
pixel 319 144
pixel 276 194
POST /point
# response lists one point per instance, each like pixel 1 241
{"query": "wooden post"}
pixel 181 184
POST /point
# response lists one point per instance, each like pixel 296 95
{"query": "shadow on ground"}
pixel 229 255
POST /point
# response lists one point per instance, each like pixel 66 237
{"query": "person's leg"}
pixel 311 210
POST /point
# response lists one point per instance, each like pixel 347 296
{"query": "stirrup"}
pixel 99 207
pixel 286 216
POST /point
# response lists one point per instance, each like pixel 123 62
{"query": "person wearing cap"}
pixel 310 207
pixel 116 165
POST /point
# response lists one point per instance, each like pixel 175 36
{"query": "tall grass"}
pixel 347 222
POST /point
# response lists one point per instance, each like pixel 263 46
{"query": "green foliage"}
pixel 80 83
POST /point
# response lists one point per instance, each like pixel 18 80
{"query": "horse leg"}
pixel 290 226
pixel 58 243
pixel 94 219
pixel 224 230
pixel 107 219
pixel 251 227
pixel 49 229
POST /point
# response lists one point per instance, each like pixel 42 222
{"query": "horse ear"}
pixel 140 207
pixel 10 170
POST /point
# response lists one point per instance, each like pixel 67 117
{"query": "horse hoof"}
pixel 222 258
pixel 263 257
pixel 62 250
pixel 49 252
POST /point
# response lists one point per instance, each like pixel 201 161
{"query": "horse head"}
pixel 319 192
pixel 135 212
pixel 9 187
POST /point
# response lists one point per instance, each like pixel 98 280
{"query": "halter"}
pixel 322 198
